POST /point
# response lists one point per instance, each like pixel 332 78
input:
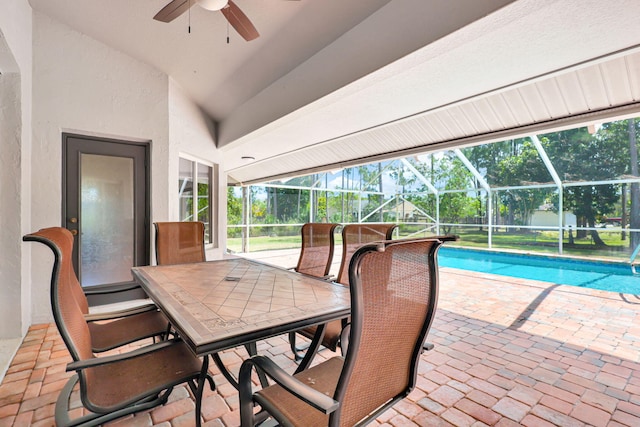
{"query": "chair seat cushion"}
pixel 322 377
pixel 110 387
pixel 115 333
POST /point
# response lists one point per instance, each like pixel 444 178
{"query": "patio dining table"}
pixel 217 305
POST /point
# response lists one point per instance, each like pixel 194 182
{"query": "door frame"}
pixel 142 249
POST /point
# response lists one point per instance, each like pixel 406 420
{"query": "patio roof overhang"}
pixel 513 73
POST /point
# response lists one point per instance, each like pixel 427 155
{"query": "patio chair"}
pixel 316 252
pixel 108 330
pixel 353 237
pixel 388 280
pixel 356 235
pixel 179 242
pixel 315 259
pixel 117 385
pixel 183 243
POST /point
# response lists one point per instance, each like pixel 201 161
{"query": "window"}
pixel 198 205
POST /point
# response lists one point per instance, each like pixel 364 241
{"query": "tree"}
pixel 454 206
pixel 420 196
pixel 448 173
pixel 284 205
pixel 579 156
pixel 371 180
pixel 512 163
pixel 522 167
pixel 623 136
pixel 234 207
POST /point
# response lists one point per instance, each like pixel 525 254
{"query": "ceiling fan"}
pixel 229 9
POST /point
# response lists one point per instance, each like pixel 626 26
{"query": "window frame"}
pixel 212 224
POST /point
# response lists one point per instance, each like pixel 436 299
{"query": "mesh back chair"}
pixel 117 385
pixel 179 242
pixel 394 288
pixel 315 260
pixel 316 253
pixel 107 330
pixel 353 237
pixel 183 243
pixel 356 235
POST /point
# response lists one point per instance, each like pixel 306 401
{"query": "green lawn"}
pixel 265 243
pixel 544 242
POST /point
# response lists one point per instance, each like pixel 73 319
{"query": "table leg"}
pixel 224 371
pixel 252 350
pixel 200 390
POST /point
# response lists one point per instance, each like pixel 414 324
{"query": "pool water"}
pixel 606 276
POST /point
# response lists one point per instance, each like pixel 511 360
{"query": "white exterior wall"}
pixel 191 133
pixel 15 152
pixel 550 219
pixel 10 202
pixel 57 80
pixel 83 86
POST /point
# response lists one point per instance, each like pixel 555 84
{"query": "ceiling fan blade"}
pixel 239 21
pixel 174 9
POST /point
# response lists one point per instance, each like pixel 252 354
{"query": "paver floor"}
pixel 508 352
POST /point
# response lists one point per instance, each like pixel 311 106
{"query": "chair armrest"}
pixel 328 277
pixel 99 361
pixel 313 397
pixel 93 317
pixel 102 290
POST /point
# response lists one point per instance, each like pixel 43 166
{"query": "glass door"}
pixel 105 184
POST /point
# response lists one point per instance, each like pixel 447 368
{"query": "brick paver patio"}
pixel 508 352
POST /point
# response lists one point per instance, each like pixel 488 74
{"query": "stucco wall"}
pixel 191 133
pixel 86 87
pixel 10 261
pixel 15 148
pixel 57 80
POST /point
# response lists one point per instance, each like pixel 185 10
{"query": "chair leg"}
pixel 314 346
pixel 245 394
pixel 428 346
pixel 297 351
pixel 252 349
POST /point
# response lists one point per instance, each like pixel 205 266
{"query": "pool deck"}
pixel 507 352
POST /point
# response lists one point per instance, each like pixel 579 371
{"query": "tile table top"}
pixel 221 304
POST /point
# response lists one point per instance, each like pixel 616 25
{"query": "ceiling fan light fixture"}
pixel 212 4
pixel 231 12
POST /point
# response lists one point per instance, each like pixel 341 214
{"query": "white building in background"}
pixel 547 218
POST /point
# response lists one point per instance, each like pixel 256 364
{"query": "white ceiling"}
pixel 586 94
pixel 219 76
pixel 330 81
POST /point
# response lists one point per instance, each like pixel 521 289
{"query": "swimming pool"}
pixel 606 276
